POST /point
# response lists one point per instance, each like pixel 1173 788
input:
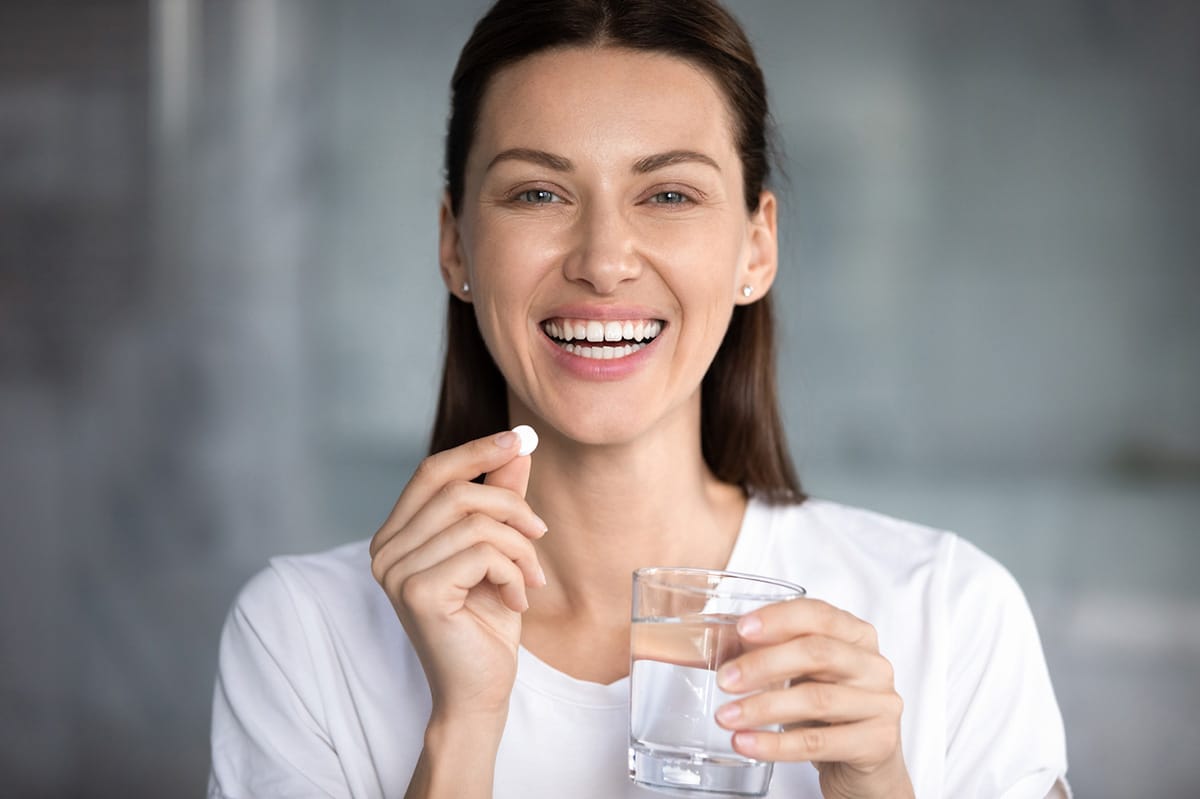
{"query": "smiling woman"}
pixel 608 244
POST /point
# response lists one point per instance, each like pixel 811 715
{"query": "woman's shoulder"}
pixel 825 523
pixel 838 537
pixel 334 582
pixel 840 518
pixel 345 562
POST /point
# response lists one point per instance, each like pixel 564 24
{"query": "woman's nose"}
pixel 605 253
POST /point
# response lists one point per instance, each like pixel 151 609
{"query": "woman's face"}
pixel 605 238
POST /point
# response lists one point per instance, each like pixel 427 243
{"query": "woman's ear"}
pixel 758 272
pixel 450 253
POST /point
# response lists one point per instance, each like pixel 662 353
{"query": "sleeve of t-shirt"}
pixel 267 735
pixel 1005 734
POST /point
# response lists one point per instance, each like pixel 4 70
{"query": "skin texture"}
pixel 606 220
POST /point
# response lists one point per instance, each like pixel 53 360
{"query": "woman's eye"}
pixel 537 196
pixel 670 198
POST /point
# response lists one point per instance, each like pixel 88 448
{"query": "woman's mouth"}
pixel 606 339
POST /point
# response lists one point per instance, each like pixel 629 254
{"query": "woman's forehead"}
pixel 604 101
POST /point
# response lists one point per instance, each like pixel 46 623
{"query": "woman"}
pixel 608 244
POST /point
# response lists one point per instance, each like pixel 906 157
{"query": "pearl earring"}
pixel 747 290
pixel 466 288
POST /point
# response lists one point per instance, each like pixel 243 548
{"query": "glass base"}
pixel 692 774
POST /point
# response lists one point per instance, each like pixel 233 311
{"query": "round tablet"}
pixel 528 436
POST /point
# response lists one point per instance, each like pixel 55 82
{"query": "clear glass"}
pixel 683 631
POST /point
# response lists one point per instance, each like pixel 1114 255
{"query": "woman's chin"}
pixel 598 430
pixel 616 424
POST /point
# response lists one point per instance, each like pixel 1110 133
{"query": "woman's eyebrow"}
pixel 660 160
pixel 640 167
pixel 539 157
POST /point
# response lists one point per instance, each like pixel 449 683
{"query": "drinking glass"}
pixel 683 631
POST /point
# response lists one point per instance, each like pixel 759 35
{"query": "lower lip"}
pixel 599 368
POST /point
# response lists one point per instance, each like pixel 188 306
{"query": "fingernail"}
pixel 541 576
pixel 746 740
pixel 749 626
pixel 728 677
pixel 505 439
pixel 729 714
pixel 541 524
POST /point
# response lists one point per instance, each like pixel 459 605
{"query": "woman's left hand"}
pixel 840 711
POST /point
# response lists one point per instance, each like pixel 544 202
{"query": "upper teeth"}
pixel 596 330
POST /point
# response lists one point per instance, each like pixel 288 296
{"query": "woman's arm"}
pixel 457 762
pixel 455 558
pixel 268 734
pixel 1004 733
pixel 448 560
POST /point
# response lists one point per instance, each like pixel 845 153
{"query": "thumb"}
pixel 513 475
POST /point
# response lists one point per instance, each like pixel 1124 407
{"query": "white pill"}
pixel 529 439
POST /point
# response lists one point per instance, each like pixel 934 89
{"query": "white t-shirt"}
pixel 319 692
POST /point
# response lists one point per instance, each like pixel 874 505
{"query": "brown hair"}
pixel 741 432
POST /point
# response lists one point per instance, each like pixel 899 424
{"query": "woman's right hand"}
pixel 455 558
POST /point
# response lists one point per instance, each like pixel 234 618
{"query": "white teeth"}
pixel 627 336
pixel 605 353
pixel 595 330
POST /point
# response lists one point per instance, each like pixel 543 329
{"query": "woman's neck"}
pixel 612 509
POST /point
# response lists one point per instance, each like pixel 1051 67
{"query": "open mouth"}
pixel 602 339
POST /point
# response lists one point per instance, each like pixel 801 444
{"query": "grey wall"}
pixel 219 331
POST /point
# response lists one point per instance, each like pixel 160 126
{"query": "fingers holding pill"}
pixel 499 457
pixel 456 557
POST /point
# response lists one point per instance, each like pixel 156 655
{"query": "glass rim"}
pixel 646 574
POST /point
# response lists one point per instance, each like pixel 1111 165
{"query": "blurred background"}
pixel 220 327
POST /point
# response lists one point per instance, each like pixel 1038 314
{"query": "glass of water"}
pixel 683 631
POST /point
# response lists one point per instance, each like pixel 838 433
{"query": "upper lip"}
pixel 604 312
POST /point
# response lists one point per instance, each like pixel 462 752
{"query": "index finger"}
pixel 464 462
pixel 783 621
